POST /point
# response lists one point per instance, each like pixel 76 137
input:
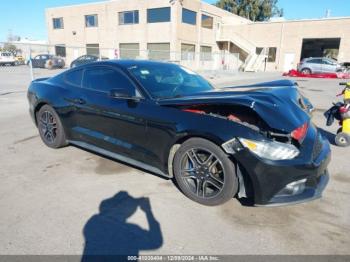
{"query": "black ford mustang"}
pixel 253 142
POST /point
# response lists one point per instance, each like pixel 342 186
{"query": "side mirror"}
pixel 120 93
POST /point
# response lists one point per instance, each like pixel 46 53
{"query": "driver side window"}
pixel 104 79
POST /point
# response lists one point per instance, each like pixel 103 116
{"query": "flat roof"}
pixel 109 1
pixel 229 14
pixel 302 20
pixel 83 4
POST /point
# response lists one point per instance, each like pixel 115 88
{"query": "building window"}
pixel 158 51
pixel 57 23
pixel 60 50
pixel 272 54
pixel 129 51
pixel 189 17
pixel 206 53
pixel 93 49
pixel 207 21
pixel 188 51
pixel 258 50
pixel 158 15
pixel 129 17
pixel 91 21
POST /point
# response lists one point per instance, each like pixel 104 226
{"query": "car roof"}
pixel 128 63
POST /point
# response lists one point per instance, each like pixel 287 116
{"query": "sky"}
pixel 26 18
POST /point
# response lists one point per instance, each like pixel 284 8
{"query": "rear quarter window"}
pixel 74 77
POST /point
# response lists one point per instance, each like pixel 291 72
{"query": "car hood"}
pixel 278 106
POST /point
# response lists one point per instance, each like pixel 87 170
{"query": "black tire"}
pixel 342 139
pixel 198 184
pixel 306 71
pixel 50 127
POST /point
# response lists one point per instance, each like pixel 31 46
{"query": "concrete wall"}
pixel 109 34
pixel 288 37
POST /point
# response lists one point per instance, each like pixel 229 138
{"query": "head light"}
pixel 270 149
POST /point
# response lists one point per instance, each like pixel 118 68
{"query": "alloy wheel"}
pixel 48 126
pixel 202 172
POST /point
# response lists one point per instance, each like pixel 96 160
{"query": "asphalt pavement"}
pixel 61 201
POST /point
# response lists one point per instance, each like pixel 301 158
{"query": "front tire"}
pixel 204 173
pixel 50 127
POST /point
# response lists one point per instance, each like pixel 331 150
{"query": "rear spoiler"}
pixel 40 79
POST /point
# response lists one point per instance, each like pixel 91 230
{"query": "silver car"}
pixel 319 65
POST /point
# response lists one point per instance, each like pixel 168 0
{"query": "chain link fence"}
pixel 40 58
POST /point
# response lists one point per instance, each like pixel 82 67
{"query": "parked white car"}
pixel 7 58
pixel 317 65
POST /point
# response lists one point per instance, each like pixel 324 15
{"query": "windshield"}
pixel 169 80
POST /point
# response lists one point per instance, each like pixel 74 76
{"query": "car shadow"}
pixel 328 135
pixel 108 235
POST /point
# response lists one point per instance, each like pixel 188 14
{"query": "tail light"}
pixel 300 133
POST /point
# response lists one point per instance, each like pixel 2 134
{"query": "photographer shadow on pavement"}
pixel 109 237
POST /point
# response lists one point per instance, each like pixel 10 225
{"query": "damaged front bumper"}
pixel 309 193
pixel 276 183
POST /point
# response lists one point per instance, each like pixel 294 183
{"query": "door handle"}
pixel 79 101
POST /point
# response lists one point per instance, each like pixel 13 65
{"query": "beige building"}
pixel 291 41
pixel 192 33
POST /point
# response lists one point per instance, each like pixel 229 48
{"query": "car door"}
pixel 328 66
pixel 316 65
pixel 43 60
pixel 36 61
pixel 110 123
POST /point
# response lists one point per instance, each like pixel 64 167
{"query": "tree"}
pixel 255 10
pixel 8 47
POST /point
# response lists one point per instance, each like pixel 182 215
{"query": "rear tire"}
pixel 342 139
pixel 204 173
pixel 306 71
pixel 50 127
pixel 49 65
